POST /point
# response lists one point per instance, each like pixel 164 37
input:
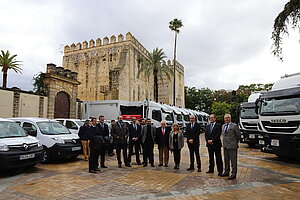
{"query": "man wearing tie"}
pixel 192 134
pixel 119 131
pixel 104 131
pixel 162 139
pixel 134 140
pixel 213 144
pixel 231 136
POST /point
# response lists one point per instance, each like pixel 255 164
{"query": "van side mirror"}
pixel 32 133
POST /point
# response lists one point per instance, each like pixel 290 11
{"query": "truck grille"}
pixel 249 126
pixel 288 127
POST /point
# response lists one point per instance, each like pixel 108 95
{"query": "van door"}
pixel 30 129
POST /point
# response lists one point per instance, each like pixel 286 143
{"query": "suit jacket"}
pixel 231 137
pixel 193 133
pixel 83 132
pixel 144 133
pixel 180 140
pixel 214 136
pixel 134 132
pixel 104 131
pixel 162 140
pixel 120 133
pixel 94 137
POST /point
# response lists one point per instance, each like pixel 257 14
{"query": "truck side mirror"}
pixel 257 106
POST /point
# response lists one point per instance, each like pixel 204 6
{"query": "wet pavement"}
pixel 260 176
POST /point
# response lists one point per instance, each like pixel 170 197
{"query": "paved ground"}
pixel 260 176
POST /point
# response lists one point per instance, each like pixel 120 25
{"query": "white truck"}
pixel 113 108
pixel 248 122
pixel 279 117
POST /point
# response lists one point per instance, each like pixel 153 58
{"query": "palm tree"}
pixel 290 15
pixel 175 25
pixel 156 66
pixel 8 62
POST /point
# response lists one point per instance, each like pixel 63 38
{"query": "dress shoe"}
pixel 152 165
pixel 160 165
pixel 92 171
pixel 166 165
pixel 138 163
pixel 219 174
pixel 209 172
pixel 128 165
pixel 199 170
pixel 145 165
pixel 119 166
pixel 232 177
pixel 223 175
pixel 190 169
pixel 104 166
pixel 97 169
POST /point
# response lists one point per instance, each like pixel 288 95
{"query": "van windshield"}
pixel 52 128
pixel 80 123
pixel 11 129
pixel 281 106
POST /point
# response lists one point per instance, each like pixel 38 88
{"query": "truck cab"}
pixel 279 117
pixel 57 140
pixel 17 149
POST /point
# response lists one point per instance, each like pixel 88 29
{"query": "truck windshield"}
pixel 168 116
pixel 52 128
pixel 280 106
pixel 179 117
pixel 11 129
pixel 186 118
pixel 248 113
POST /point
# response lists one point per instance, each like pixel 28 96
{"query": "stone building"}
pixel 107 70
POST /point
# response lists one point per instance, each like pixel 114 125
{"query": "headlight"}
pixel 3 147
pixel 58 140
pixel 39 144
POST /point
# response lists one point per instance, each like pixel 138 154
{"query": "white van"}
pixel 72 124
pixel 57 140
pixel 17 149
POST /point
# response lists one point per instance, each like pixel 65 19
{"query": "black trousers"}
pixel 177 155
pixel 215 151
pixel 94 158
pixel 110 148
pixel 148 153
pixel 123 147
pixel 102 155
pixel 194 151
pixel 136 145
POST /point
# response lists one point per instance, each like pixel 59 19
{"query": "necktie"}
pixel 192 125
pixel 226 127
pixel 163 131
pixel 211 128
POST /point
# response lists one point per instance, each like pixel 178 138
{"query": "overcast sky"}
pixel 223 44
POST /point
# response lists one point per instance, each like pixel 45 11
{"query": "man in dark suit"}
pixel 120 133
pixel 148 140
pixel 134 140
pixel 104 131
pixel 162 139
pixel 193 141
pixel 231 137
pixel 95 140
pixel 213 144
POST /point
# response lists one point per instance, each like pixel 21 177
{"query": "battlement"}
pixel 179 66
pixel 60 71
pixel 106 42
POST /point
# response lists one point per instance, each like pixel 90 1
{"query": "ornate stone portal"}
pixel 61 87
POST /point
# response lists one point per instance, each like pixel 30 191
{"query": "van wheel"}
pixel 46 156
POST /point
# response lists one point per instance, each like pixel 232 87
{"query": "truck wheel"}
pixel 46 156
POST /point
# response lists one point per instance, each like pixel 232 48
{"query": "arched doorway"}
pixel 62 105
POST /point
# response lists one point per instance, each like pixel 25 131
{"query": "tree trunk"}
pixel 155 85
pixel 174 71
pixel 4 79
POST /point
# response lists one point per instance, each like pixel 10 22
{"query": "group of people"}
pixel 141 135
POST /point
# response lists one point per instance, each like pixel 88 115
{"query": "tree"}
pixel 290 15
pixel 38 83
pixel 175 25
pixel 155 65
pixel 7 62
pixel 198 99
pixel 220 109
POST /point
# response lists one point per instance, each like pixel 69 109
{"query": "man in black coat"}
pixel 213 144
pixel 148 141
pixel 83 135
pixel 162 139
pixel 95 142
pixel 120 133
pixel 104 131
pixel 134 140
pixel 193 141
